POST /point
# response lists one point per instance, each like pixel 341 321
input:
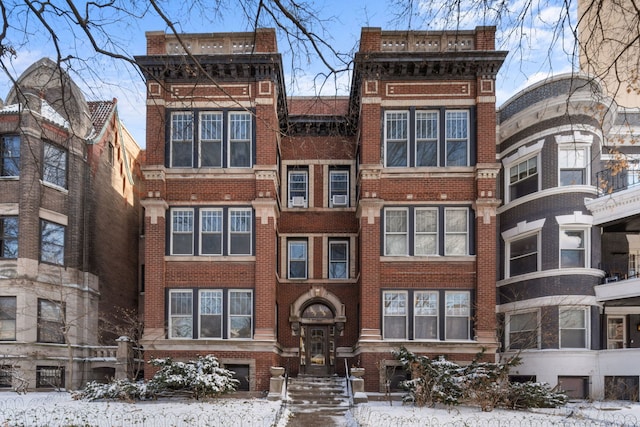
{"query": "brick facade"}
pixel 319 188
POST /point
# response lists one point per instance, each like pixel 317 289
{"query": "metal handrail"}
pixel 349 388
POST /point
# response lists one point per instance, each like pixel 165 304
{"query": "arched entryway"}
pixel 317 317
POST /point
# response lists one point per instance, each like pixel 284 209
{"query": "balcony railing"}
pixel 610 181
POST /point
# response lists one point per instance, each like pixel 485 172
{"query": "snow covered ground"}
pixel 58 409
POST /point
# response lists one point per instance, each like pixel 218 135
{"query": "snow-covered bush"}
pixel 479 383
pixel 197 378
pixel 535 395
pixel 203 377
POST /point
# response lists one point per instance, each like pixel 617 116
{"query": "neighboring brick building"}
pixel 69 215
pixel 303 232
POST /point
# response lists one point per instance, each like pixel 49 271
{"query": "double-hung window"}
pixel 211 231
pixel 434 137
pixel 182 139
pixel 425 315
pixel 338 188
pixel 573 328
pixel 523 178
pixel 52 242
pixel 297 259
pixel 9 237
pixel 240 231
pixel 420 314
pixel 182 231
pixel 426 234
pixel 7 318
pixel 240 313
pixel 211 139
pixel 51 327
pixel 397 138
pixel 54 165
pixel 210 314
pixel 239 140
pixel 424 231
pixel 523 255
pixel 457 315
pixel 572 162
pixel 222 139
pixel 456 233
pixel 396 231
pixel 298 186
pixel 10 156
pixel 338 259
pixel 394 315
pixel 427 152
pixel 523 330
pixel 573 248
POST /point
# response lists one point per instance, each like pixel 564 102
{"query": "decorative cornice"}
pixel 487 170
pixel 154 209
pixel 153 174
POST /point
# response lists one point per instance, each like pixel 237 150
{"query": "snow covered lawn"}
pixel 58 410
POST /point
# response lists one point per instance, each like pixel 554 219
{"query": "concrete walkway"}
pixel 318 402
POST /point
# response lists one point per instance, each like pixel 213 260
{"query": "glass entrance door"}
pixel 317 350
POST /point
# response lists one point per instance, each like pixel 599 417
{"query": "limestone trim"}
pixel 154 209
pixel 369 209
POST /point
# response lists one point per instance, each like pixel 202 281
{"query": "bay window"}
pixel 573 327
pixel 9 156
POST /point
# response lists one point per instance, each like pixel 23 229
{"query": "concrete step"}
pixel 317 401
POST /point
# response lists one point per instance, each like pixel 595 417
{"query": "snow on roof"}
pixel 50 114
pixel 100 112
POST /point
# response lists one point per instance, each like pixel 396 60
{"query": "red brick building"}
pixel 302 232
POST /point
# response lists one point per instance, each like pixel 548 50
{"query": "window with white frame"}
pixel 573 327
pixel 51 325
pixel 7 318
pixel 572 163
pixel 52 242
pixel 211 231
pixel 240 313
pixel 215 313
pixel 456 233
pixel 457 315
pixel 424 231
pixel 297 249
pixel 298 186
pixel 338 188
pixel 396 231
pixel 9 156
pixel 457 138
pixel 211 139
pixel 181 313
pixel 425 315
pixel 9 237
pixel 523 178
pixel 223 139
pixel 182 232
pixel 523 255
pixel 210 315
pixel 397 138
pixel 523 330
pixel 218 231
pixel 573 248
pixel 338 259
pixel 181 139
pixel 54 165
pixel 240 231
pixel 427 125
pixel 434 137
pixel 394 315
pixel 240 140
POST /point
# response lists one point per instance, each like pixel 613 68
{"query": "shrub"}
pixel 480 383
pixel 197 378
